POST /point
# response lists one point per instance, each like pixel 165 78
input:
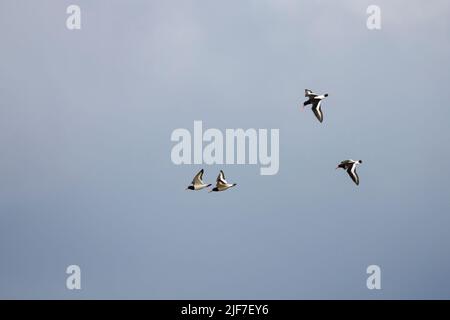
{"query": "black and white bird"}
pixel 350 167
pixel 197 183
pixel 316 101
pixel 222 184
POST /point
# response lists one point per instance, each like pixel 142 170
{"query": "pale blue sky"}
pixel 85 170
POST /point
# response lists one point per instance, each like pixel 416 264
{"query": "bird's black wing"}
pixel 352 173
pixel 318 111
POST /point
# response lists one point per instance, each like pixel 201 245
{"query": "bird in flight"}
pixel 350 167
pixel 221 183
pixel 197 183
pixel 316 101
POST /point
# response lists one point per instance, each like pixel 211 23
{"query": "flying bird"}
pixel 316 101
pixel 197 183
pixel 350 167
pixel 221 183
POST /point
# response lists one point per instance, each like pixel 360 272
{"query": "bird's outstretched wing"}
pixel 341 165
pixel 221 178
pixel 318 111
pixel 345 164
pixel 352 173
pixel 198 178
pixel 309 93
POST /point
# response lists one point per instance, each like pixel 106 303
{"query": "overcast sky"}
pixel 86 176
